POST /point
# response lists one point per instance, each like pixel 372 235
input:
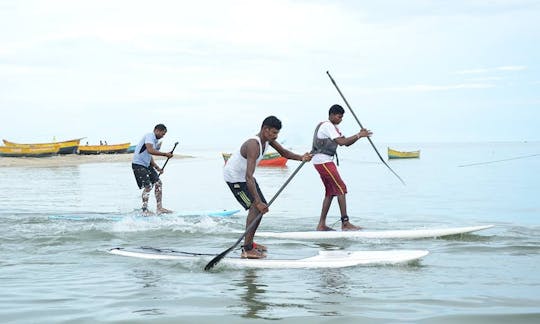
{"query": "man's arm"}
pixel 347 141
pixel 154 164
pixel 251 151
pixel 288 154
pixel 152 151
pixel 150 148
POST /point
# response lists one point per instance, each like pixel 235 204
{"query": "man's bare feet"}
pixel 252 254
pixel 347 226
pixel 260 247
pixel 164 211
pixel 147 212
pixel 325 228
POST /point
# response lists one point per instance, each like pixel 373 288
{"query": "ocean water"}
pixel 58 270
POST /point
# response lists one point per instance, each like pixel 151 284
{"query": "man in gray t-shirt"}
pixel 146 170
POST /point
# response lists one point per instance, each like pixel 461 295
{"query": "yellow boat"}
pixel 393 154
pixel 104 149
pixel 29 151
pixel 66 147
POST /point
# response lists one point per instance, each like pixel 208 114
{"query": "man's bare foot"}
pixel 260 247
pixel 164 211
pixel 347 226
pixel 253 254
pixel 147 212
pixel 325 228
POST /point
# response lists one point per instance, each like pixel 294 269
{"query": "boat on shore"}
pixel 104 149
pixel 273 159
pixel 394 154
pixel 29 151
pixel 66 147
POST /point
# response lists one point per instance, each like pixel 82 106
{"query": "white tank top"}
pixel 235 168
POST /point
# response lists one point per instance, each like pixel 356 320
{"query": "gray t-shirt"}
pixel 143 158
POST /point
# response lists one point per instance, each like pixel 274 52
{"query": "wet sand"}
pixel 72 159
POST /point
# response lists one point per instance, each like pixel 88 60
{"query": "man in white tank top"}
pixel 238 173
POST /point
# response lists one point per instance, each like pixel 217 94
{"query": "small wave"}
pixel 192 225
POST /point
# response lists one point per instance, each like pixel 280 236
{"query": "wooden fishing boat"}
pixel 273 159
pixel 104 149
pixel 393 154
pixel 29 151
pixel 66 147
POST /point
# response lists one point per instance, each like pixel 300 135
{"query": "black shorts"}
pixel 241 193
pixel 145 176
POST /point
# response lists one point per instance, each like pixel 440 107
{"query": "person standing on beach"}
pixel 146 169
pixel 238 174
pixel 326 139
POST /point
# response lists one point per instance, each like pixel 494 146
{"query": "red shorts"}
pixel 330 177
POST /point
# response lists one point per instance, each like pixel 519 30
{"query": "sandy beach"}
pixel 71 159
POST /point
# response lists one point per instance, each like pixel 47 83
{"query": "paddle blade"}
pixel 218 258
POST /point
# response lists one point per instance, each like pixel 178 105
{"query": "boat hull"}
pixel 104 149
pixel 18 151
pixel 268 160
pixel 66 147
pixel 393 154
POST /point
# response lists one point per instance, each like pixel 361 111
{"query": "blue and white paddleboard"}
pixel 363 234
pixel 324 259
pixel 119 217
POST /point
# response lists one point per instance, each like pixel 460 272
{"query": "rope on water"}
pixel 496 161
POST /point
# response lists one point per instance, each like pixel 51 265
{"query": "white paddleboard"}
pixel 392 234
pixel 325 259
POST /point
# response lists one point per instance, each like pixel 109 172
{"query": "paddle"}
pixel 164 164
pixel 220 256
pixel 358 121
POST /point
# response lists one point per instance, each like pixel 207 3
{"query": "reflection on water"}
pixel 149 312
pixel 252 299
pixel 146 278
pixel 333 286
pixel 311 289
pixel 333 282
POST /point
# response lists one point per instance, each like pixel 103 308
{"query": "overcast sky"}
pixel 413 71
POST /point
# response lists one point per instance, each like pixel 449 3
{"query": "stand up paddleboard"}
pixel 119 217
pixel 393 234
pixel 325 259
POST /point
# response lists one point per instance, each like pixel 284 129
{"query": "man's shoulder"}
pixel 252 141
pixel 326 123
pixel 150 137
pixel 328 128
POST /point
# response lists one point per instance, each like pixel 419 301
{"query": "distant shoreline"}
pixel 71 159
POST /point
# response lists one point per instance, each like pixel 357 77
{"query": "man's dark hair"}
pixel 160 127
pixel 336 109
pixel 272 122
